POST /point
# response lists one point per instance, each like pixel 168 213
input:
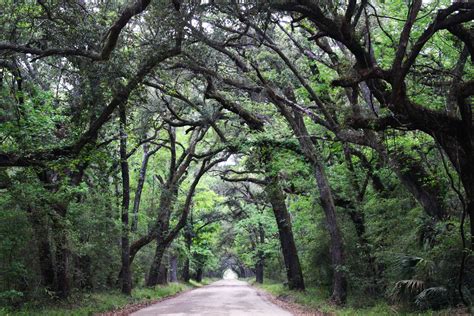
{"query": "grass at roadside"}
pixel 92 303
pixel 316 299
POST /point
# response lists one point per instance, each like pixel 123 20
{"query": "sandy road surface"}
pixel 223 298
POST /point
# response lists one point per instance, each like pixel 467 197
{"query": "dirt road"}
pixel 223 298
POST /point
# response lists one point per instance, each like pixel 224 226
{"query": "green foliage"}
pixel 408 289
pixel 92 303
pixel 70 198
pixel 35 125
pixel 316 300
pixel 432 298
pixel 10 297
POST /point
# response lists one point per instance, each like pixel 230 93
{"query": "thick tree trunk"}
pixel 339 290
pixel 62 253
pixel 63 281
pixel 185 274
pixel 163 275
pixel 41 233
pixel 199 273
pixel 470 212
pixel 51 179
pixel 242 271
pixel 308 146
pixel 276 196
pixel 468 184
pixel 167 198
pixel 188 240
pixel 174 268
pixel 154 275
pixel 259 267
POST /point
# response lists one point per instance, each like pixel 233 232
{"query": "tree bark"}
pixel 339 290
pixel 138 191
pixel 188 238
pixel 51 181
pixel 199 273
pixel 125 239
pixel 155 273
pixel 63 281
pixel 185 274
pixel 259 268
pixel 470 212
pixel 468 183
pixel 308 147
pixel 167 198
pixel 276 196
pixel 174 268
pixel 260 264
pixel 163 276
pixel 45 256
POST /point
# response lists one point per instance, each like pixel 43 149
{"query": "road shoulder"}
pixel 131 308
pixel 286 303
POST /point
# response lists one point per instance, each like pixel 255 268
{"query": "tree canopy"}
pixel 323 144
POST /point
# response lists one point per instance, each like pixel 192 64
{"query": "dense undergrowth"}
pixel 325 144
pixel 318 299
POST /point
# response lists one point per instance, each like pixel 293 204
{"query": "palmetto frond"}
pixel 407 289
pixel 432 298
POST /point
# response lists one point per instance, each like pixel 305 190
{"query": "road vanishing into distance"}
pixel 223 298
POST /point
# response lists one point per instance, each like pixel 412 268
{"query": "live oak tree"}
pixel 318 143
pixel 234 48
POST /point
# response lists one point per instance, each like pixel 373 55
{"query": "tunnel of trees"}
pixel 321 144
